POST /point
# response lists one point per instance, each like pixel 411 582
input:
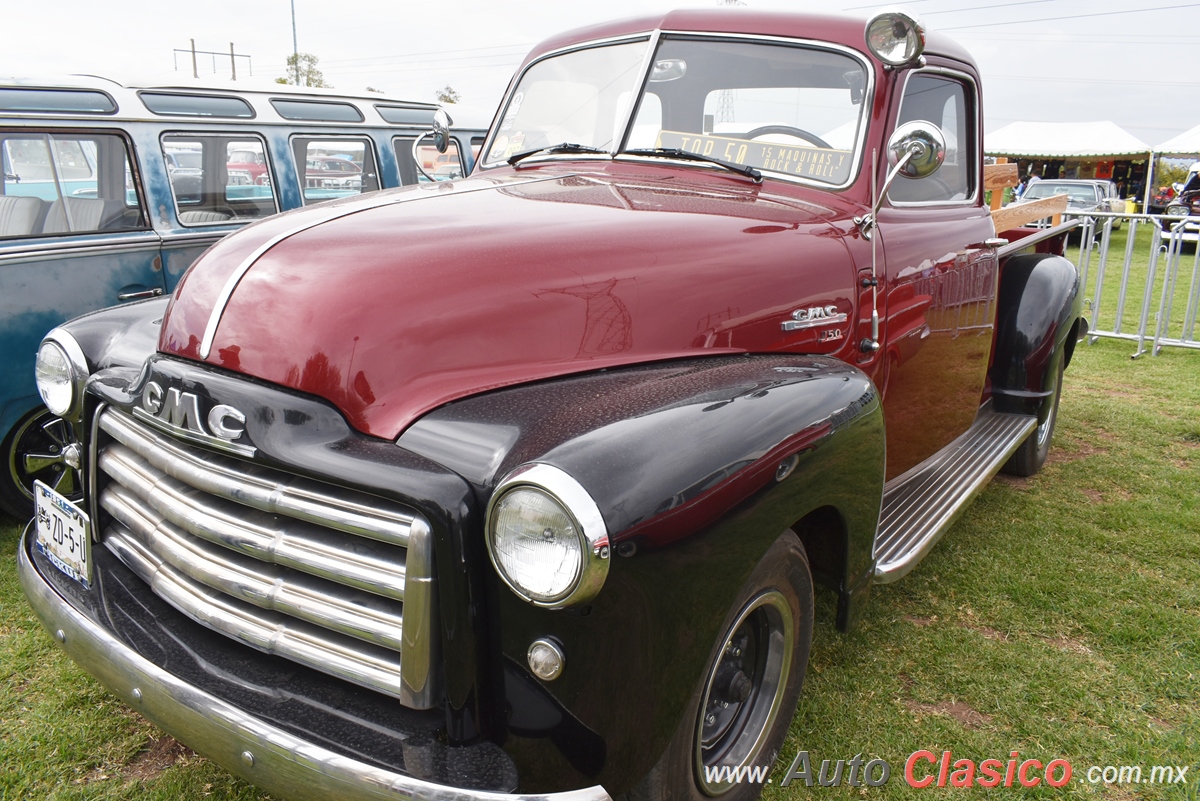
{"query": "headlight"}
pixel 546 537
pixel 1177 211
pixel 60 371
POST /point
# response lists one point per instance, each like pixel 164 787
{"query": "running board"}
pixel 920 505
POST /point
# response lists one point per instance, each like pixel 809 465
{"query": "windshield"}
pixel 788 110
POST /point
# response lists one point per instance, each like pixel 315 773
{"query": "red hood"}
pixel 394 303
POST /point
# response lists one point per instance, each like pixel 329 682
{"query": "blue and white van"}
pixel 110 192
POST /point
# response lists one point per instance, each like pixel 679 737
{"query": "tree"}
pixel 447 95
pixel 306 74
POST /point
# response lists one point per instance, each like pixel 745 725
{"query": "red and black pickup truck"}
pixel 520 484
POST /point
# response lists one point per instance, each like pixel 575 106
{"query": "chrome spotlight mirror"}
pixel 440 135
pixel 896 38
pixel 922 143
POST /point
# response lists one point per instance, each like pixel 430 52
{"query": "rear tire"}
pixel 1029 458
pixel 740 713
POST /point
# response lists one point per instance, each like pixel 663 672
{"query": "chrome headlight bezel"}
pixel 1177 210
pixel 76 374
pixel 560 488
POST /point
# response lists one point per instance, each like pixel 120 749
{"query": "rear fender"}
pixel 1038 306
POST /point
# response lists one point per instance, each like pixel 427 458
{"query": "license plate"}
pixel 63 533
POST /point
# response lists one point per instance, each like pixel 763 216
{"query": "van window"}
pixel 442 166
pixel 59 182
pixel 332 168
pixel 219 178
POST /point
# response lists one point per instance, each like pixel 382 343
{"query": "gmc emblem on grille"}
pixel 178 412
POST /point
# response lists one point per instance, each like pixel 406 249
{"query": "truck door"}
pixel 941 278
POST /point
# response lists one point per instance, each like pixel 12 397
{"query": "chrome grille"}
pixel 334 579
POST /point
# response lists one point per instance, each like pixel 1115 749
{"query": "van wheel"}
pixel 37 449
pixel 740 713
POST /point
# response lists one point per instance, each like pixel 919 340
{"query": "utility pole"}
pixel 233 57
pixel 295 47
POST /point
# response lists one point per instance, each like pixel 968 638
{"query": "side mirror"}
pixel 923 143
pixel 440 135
pixel 916 150
pixel 441 130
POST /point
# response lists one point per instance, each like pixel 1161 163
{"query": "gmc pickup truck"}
pixel 519 485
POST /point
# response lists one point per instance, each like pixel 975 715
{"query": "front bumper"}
pixel 268 757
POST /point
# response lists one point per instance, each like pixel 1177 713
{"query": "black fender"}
pixel 696 466
pixel 120 336
pixel 1039 308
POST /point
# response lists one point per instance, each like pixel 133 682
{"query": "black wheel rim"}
pixel 744 691
pixel 43 449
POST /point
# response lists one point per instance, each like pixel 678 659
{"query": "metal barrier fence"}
pixel 1146 276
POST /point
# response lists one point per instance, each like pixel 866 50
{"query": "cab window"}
pixel 947 103
pixel 218 179
pixel 58 183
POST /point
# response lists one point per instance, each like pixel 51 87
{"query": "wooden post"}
pixel 997 177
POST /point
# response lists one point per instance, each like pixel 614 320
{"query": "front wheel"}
pixel 1031 455
pixel 739 716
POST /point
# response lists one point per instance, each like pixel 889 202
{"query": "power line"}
pixel 998 5
pixel 1072 16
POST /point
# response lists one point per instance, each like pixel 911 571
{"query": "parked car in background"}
pixel 337 172
pixel 1082 196
pixel 110 192
pixel 1185 208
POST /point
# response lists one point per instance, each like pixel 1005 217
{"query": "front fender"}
pixel 696 466
pixel 1039 302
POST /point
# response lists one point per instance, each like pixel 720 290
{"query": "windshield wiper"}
pixel 687 155
pixel 561 147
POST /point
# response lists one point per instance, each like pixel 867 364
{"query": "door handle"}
pixel 141 294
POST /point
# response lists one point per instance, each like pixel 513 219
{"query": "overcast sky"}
pixel 1042 60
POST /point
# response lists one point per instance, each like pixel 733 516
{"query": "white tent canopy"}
pixel 1186 144
pixel 1063 140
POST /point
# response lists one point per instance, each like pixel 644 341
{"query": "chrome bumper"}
pixel 266 756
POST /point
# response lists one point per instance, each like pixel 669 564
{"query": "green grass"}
pixel 1060 617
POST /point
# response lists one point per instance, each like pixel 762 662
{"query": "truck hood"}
pixel 392 304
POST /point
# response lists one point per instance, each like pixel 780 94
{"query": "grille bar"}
pixel 263 630
pixel 365 617
pixel 326 576
pixel 295 545
pixel 261 489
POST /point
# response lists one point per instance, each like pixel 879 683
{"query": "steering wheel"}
pixel 788 130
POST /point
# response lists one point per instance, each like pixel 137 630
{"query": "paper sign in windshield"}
pixel 817 163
